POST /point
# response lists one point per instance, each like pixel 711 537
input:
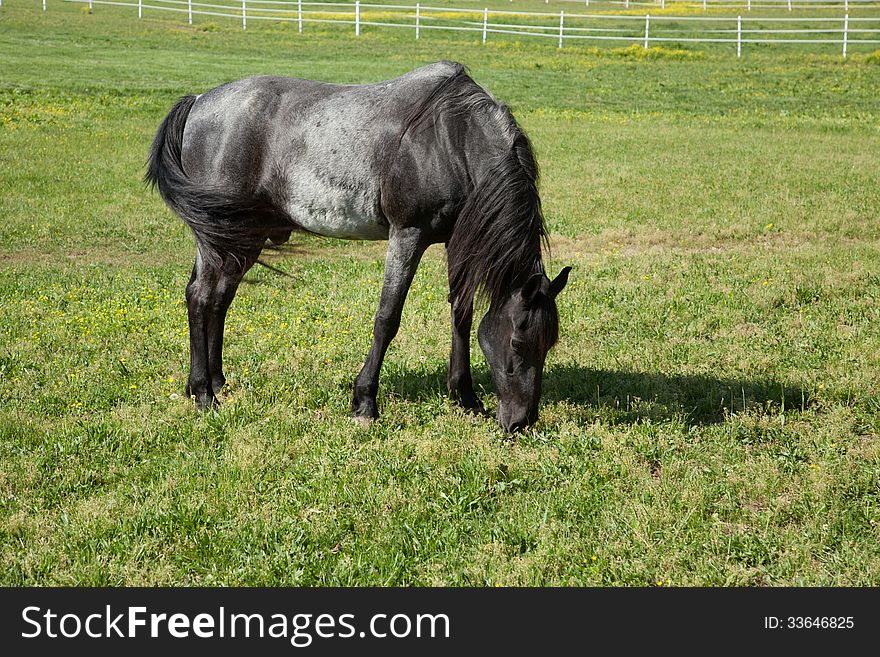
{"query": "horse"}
pixel 426 158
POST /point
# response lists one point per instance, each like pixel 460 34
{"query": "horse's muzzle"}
pixel 515 420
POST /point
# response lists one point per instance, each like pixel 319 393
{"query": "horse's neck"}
pixel 486 137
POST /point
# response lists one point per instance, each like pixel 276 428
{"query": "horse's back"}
pixel 318 150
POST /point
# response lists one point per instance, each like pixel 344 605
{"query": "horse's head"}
pixel 516 335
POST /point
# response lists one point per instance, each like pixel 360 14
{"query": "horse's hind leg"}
pixel 209 293
pixel 221 298
pixel 198 295
pixel 405 249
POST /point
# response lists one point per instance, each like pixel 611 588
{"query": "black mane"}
pixel 496 243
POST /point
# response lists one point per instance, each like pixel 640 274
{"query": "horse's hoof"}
pixel 364 408
pixel 207 406
pixel 217 384
pixel 476 410
pixel 363 421
pixel 204 401
pixel 471 405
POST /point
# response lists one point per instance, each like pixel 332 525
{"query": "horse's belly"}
pixel 349 211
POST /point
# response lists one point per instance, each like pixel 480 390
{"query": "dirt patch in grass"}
pixel 627 243
pixel 311 250
pixel 608 242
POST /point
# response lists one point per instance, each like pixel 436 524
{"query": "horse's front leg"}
pixel 405 249
pixel 458 378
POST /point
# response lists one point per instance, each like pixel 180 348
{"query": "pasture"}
pixel 710 415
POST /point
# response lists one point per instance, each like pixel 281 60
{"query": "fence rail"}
pixel 706 5
pixel 844 32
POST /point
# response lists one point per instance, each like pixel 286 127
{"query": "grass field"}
pixel 710 416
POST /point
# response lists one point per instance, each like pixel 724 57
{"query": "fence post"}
pixel 626 3
pixel 418 11
pixel 561 26
pixel 189 10
pixel 357 18
pixel 845 31
pixel 750 5
pixel 90 5
pixel 244 14
pixel 738 37
pixel 662 4
pixel 44 6
pixel 299 12
pixel 846 6
pixel 485 23
pixel 647 25
pixel 789 5
pixel 704 5
pixel 140 8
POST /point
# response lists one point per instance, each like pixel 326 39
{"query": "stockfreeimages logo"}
pixel 300 629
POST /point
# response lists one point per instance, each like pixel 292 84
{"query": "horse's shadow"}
pixel 629 396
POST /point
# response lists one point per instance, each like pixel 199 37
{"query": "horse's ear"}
pixel 559 282
pixel 536 284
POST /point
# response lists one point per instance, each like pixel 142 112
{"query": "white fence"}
pixel 706 5
pixel 843 32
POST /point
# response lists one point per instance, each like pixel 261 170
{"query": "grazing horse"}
pixel 429 157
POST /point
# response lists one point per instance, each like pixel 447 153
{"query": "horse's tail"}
pixel 224 225
pixel 164 167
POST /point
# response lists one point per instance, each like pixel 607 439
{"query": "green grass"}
pixel 710 416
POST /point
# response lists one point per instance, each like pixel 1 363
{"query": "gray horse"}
pixel 426 158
